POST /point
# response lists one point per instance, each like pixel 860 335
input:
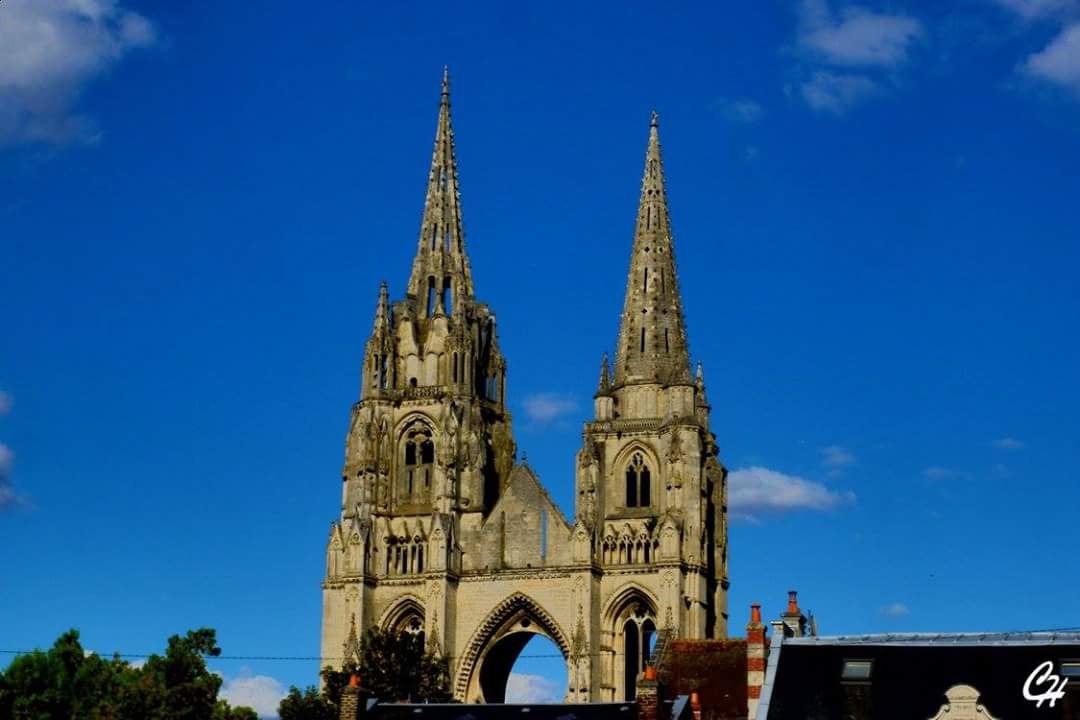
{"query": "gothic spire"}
pixel 652 336
pixel 382 310
pixel 605 376
pixel 441 266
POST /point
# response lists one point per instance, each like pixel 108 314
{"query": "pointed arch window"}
pixel 419 464
pixel 639 641
pixel 638 482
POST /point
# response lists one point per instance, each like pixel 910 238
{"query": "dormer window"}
pixel 638 482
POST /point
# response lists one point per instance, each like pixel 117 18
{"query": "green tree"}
pixel 396 667
pixel 67 682
pixel 307 705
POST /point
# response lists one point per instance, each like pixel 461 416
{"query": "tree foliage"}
pixel 394 667
pixel 67 682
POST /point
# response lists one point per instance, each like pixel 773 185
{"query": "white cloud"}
pixel 261 693
pixel 8 496
pixel 6 403
pixel 1058 62
pixel 545 407
pixel 1009 443
pixel 522 688
pixel 857 37
pixel 836 456
pixel 757 489
pixel 895 610
pixel 741 110
pixel 49 50
pixel 1031 9
pixel 936 472
pixel 831 92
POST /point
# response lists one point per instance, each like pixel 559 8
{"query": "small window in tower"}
pixel 638 482
pixel 431 297
pixel 642 339
pixel 645 285
pixel 667 348
pixel 448 296
pixel 455 375
pixel 434 235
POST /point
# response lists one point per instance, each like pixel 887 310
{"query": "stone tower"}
pixel 441 533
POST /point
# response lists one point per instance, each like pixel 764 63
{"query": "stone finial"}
pixel 605 375
pixel 793 603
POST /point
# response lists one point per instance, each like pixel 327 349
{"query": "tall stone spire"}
pixel 441 268
pixel 652 337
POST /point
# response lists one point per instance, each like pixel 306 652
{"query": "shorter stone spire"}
pixel 605 376
pixel 351 650
pixel 382 309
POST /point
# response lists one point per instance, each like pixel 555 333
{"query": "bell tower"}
pixel 650 487
pixel 429 449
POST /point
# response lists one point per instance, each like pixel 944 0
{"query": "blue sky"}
pixel 876 220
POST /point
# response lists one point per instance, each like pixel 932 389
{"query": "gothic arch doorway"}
pixel 497 643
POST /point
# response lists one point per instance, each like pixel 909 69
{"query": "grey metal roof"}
pixel 1054 637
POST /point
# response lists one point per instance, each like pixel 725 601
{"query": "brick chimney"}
pixel 755 660
pixel 793 617
pixel 648 695
pixel 351 699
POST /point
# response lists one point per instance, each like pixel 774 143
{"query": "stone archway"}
pixel 491 652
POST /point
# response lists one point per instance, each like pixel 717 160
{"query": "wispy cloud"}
pixel 6 403
pixel 936 472
pixel 895 610
pixel 523 688
pixel 847 49
pixel 755 490
pixel 836 93
pixel 1009 443
pixel 856 36
pixel 8 497
pixel 1031 9
pixel 1058 62
pixel 49 51
pixel 836 456
pixel 739 110
pixel 547 407
pixel 261 693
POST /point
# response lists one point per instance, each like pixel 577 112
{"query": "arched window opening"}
pixel 454 375
pixel 639 641
pixel 431 296
pixel 434 235
pixel 448 294
pixel 632 654
pixel 418 464
pixel 638 482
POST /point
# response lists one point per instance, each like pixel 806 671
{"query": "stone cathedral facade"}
pixel 442 532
